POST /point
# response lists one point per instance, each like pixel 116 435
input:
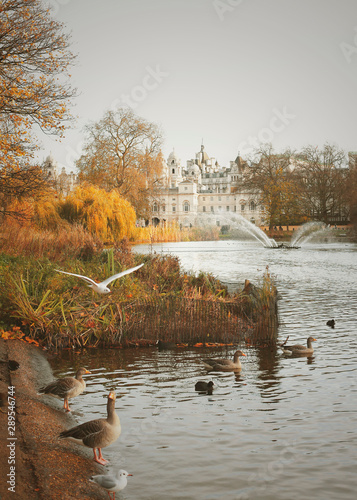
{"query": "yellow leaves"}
pixel 105 214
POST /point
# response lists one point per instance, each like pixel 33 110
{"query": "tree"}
pixel 123 152
pixel 271 177
pixel 104 214
pixel 34 64
pixel 17 185
pixel 322 181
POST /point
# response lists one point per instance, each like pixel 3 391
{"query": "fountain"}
pixel 240 223
pixel 305 233
pixel 308 231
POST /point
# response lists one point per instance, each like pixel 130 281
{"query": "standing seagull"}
pixel 99 433
pixel 102 287
pixel 111 483
pixel 67 387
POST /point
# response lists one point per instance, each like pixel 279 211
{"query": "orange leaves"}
pixel 17 334
pixel 35 50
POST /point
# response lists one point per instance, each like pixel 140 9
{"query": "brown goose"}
pixel 99 433
pixel 224 365
pixel 67 387
pixel 298 349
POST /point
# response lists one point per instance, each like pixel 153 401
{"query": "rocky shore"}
pixel 34 463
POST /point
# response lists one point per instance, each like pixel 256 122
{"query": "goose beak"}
pixel 87 371
pixel 112 395
pixel 243 354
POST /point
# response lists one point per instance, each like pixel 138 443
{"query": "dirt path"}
pixel 45 466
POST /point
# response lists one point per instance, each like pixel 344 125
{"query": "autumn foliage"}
pixel 123 152
pixel 34 64
pixel 107 215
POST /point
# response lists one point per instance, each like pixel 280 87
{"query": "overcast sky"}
pixel 228 72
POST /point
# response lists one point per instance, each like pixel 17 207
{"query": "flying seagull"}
pixel 102 287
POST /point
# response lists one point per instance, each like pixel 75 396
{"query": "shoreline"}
pixel 35 462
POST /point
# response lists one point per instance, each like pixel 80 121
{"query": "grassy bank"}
pixel 157 301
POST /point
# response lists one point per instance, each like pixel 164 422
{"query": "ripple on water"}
pixel 282 429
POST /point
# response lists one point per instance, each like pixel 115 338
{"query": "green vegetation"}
pixel 59 310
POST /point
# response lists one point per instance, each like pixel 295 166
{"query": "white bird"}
pixel 111 483
pixel 102 287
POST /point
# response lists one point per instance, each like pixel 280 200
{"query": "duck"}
pixel 298 349
pixel 202 386
pixel 67 387
pixel 161 344
pixel 224 365
pixel 99 433
pixel 112 483
pixel 331 323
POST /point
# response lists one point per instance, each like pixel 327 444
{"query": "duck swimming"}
pixel 224 365
pixel 298 349
pixel 202 386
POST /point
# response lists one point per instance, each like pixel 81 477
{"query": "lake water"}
pixel 283 429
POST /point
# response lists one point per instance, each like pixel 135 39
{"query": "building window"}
pixel 219 198
pixel 203 209
pixel 186 206
pixel 163 208
pixel 252 206
pixel 235 208
pixel 242 208
pixel 220 209
pixel 172 184
pixel 212 209
pixel 185 188
pixel 204 198
pixel 227 208
pixel 155 208
pixel 173 208
pixel 173 170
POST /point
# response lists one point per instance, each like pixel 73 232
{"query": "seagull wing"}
pixel 107 482
pixel 123 273
pixel 88 280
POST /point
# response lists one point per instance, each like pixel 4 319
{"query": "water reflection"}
pixel 264 429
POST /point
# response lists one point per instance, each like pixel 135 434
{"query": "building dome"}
pixel 172 158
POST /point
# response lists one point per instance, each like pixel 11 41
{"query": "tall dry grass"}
pixel 173 232
pixel 67 241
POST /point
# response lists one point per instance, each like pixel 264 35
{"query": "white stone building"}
pixel 204 188
pixel 63 182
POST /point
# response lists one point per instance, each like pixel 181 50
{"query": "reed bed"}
pixel 158 301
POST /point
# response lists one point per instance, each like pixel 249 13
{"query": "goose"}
pixel 67 387
pixel 298 349
pixel 202 386
pixel 102 286
pixel 99 433
pixel 224 365
pixel 111 483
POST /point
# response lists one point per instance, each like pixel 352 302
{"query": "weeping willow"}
pixel 106 215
